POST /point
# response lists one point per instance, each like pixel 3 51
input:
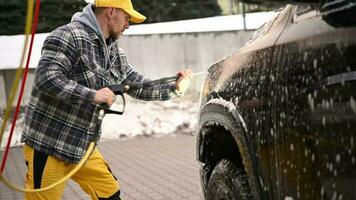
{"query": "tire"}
pixel 228 182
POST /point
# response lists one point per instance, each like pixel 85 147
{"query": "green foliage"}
pixel 171 10
pixel 53 13
pixel 12 17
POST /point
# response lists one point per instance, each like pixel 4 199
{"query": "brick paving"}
pixel 148 168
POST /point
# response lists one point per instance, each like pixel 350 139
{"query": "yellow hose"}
pixel 62 180
pixel 19 72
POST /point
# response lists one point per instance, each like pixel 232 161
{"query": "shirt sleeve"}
pixel 158 92
pixel 59 55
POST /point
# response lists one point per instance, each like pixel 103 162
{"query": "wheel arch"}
pixel 214 117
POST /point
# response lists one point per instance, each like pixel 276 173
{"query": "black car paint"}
pixel 294 93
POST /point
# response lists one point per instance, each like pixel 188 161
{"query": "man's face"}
pixel 118 22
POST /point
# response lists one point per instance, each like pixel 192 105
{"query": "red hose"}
pixel 23 83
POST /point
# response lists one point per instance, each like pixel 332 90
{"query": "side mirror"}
pixel 339 13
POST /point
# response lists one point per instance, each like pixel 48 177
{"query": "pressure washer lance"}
pixel 120 89
pixel 104 109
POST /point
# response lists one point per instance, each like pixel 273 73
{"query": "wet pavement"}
pixel 148 168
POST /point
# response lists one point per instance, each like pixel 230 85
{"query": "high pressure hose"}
pixel 10 100
pixel 21 90
pixel 19 72
pixel 62 180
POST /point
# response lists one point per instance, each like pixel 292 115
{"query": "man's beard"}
pixel 114 35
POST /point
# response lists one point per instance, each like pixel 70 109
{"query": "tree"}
pixel 53 13
pixel 12 17
pixel 172 10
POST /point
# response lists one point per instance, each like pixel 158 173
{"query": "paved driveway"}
pixel 153 168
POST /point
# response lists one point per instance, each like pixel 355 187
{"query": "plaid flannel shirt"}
pixel 61 118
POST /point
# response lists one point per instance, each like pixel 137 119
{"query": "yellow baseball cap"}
pixel 125 5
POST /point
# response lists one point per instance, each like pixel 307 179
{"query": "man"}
pixel 78 60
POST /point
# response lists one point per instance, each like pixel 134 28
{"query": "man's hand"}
pixel 104 95
pixel 182 83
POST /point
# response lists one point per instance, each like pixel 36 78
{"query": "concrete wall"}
pixel 2 90
pixel 7 77
pixel 160 55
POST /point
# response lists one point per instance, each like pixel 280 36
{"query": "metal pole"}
pixel 230 6
pixel 243 15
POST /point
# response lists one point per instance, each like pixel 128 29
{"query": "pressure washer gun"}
pixel 120 89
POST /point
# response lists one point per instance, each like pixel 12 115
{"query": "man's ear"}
pixel 110 11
